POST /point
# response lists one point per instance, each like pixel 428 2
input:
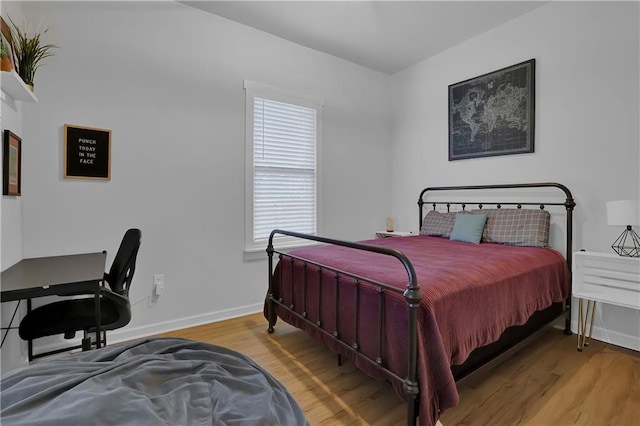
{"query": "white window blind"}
pixel 284 168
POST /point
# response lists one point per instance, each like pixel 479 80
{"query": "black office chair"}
pixel 68 316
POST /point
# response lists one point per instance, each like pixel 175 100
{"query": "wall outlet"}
pixel 158 285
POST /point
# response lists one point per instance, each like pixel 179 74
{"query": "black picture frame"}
pixel 493 114
pixel 11 163
pixel 87 152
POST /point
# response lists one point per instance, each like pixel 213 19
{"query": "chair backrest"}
pixel 124 264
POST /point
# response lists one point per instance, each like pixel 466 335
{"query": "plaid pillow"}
pixel 516 227
pixel 438 224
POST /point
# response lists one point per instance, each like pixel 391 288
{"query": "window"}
pixel 282 173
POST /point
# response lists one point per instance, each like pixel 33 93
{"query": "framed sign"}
pixel 493 114
pixel 12 163
pixel 87 152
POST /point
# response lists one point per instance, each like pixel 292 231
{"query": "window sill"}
pixel 260 253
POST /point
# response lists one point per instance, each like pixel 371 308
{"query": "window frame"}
pixel 253 250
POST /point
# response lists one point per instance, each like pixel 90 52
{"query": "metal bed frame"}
pixel 481 356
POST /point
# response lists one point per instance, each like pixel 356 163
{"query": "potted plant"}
pixel 29 52
pixel 5 61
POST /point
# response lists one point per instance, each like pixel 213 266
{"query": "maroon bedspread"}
pixel 470 295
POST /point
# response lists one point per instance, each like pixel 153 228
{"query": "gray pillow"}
pixel 468 227
pixel 516 227
pixel 438 224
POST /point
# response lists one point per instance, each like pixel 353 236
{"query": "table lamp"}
pixel 625 213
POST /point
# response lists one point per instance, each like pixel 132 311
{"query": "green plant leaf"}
pixel 29 52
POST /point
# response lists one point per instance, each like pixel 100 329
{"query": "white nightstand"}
pixel 387 234
pixel 605 278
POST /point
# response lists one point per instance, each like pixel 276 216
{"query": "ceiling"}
pixel 387 36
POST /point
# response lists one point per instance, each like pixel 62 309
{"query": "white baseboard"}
pixel 132 333
pixel 127 333
pixel 613 337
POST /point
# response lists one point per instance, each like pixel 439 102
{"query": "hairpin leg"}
pixel 585 322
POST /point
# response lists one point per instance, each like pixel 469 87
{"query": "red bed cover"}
pixel 470 295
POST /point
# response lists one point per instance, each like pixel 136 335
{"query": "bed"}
pixel 158 381
pixel 424 311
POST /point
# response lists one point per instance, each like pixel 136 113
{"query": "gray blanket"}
pixel 153 382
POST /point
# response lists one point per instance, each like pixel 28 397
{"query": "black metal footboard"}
pixel 411 294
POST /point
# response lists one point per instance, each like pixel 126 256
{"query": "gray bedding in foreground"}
pixel 161 381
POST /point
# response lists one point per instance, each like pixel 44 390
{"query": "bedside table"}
pixel 605 278
pixel 387 234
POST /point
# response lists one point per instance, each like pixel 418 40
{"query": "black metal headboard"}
pixel 569 205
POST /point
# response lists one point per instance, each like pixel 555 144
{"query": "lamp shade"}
pixel 623 213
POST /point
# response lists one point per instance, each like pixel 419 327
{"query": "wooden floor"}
pixel 547 383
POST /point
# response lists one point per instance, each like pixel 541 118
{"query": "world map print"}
pixel 492 114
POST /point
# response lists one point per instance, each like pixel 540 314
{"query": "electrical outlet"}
pixel 158 285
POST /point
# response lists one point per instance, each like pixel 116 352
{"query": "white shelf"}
pixel 13 86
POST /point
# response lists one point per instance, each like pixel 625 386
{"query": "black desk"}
pixel 55 275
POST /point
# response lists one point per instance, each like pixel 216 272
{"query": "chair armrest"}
pixel 104 292
pixel 115 297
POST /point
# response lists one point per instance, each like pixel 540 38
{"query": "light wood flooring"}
pixel 547 383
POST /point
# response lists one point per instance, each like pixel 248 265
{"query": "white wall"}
pixel 167 79
pixel 11 205
pixel 11 118
pixel 13 350
pixel 586 124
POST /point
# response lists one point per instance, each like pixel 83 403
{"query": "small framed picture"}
pixel 12 164
pixel 7 41
pixel 87 152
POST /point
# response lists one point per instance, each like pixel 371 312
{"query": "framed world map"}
pixel 493 114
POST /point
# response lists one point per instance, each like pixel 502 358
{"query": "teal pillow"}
pixel 468 227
